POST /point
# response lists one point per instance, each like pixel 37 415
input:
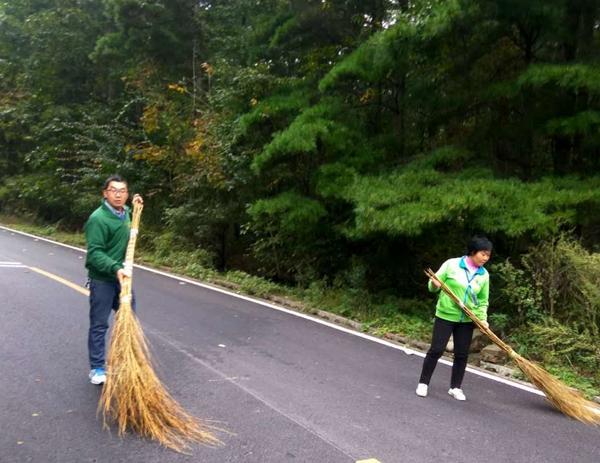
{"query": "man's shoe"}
pixel 457 393
pixel 97 376
pixel 422 390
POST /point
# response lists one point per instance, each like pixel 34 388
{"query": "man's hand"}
pixel 122 274
pixel 137 199
pixel 485 323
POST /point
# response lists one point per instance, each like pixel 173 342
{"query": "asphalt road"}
pixel 289 389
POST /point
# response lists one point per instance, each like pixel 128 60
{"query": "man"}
pixel 107 235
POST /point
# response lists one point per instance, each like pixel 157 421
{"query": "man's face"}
pixel 116 194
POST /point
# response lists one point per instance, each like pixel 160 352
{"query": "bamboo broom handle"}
pixel 128 264
pixel 471 315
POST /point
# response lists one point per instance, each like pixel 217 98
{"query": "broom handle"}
pixel 133 232
pixel 444 287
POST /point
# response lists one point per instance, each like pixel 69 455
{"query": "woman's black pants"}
pixel 462 334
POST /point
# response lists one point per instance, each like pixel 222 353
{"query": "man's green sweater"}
pixel 107 236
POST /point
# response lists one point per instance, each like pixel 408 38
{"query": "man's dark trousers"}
pixel 104 297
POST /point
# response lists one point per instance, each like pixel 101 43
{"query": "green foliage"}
pixel 520 297
pixel 54 231
pixel 148 30
pixel 334 178
pixel 550 306
pixel 499 321
pixel 569 277
pixel 585 123
pixel 403 325
pixel 30 193
pixel 557 279
pixel 383 53
pixel 405 317
pixel 288 212
pixel 303 136
pixel 169 250
pixel 253 285
pixel 411 200
pixel 287 230
pixel 272 109
pixel 380 314
pixel 559 345
pixel 445 158
pixel 396 49
pixel 169 246
pixel 576 77
pixel 59 40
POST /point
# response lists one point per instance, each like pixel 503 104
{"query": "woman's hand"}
pixel 436 283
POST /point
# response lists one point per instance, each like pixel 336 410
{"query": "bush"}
pixel 557 279
pixel 169 249
pixel 550 306
pixel 253 285
pixel 559 345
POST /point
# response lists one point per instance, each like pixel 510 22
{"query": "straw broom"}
pixel 133 396
pixel 566 399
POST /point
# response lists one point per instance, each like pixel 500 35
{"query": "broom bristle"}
pixel 569 401
pixel 134 398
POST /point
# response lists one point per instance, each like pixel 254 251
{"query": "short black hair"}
pixel 478 243
pixel 113 178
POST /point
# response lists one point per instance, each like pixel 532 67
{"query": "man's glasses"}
pixel 114 191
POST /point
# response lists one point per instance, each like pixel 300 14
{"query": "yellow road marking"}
pixel 77 288
pixel 370 460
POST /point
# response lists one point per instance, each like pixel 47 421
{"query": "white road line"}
pixel 406 350
pixel 12 265
pixel 41 238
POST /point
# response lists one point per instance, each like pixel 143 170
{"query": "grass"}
pixel 46 231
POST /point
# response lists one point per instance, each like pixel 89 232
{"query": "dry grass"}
pixel 133 396
pixel 567 400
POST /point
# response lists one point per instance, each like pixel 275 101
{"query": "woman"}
pixel 467 278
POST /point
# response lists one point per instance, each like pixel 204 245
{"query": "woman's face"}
pixel 481 257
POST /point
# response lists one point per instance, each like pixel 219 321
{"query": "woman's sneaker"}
pixel 422 390
pixel 457 393
pixel 97 376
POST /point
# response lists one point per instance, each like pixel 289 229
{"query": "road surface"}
pixel 290 389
